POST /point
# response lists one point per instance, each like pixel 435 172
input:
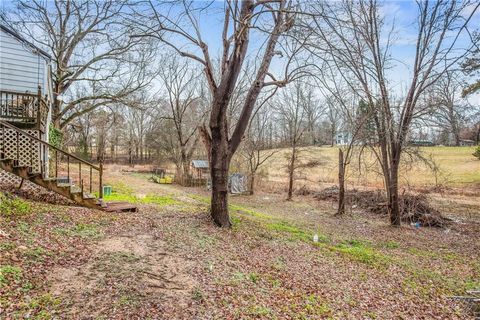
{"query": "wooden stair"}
pixel 75 192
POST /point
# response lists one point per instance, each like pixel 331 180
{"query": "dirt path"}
pixel 168 261
pixel 133 265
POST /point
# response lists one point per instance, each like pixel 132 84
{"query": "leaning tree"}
pixel 243 22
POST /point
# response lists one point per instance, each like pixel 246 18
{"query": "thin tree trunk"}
pixel 332 138
pixel 291 170
pixel 252 183
pixel 185 163
pixel 341 183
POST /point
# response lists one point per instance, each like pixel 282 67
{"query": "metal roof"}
pixel 200 164
pixel 21 39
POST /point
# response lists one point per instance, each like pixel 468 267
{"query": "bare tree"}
pixel 291 109
pixel 255 148
pixel 351 36
pixel 449 110
pixel 183 34
pixel 91 51
pixel 185 98
pixel 334 118
pixel 471 66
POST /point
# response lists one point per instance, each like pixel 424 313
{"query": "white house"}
pixel 25 97
pixel 343 138
pixel 23 66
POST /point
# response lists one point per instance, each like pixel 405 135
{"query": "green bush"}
pixel 477 153
pixel 10 206
pixel 55 136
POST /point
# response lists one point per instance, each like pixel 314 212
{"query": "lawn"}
pixel 457 167
pixel 169 261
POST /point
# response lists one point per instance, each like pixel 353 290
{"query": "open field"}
pixel 169 262
pixel 457 168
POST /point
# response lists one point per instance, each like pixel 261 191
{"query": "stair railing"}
pixel 47 163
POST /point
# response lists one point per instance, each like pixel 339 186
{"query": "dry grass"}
pixel 457 168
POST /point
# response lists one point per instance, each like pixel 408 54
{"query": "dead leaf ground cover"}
pixel 168 261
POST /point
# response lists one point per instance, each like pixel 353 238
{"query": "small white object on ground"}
pixel 315 238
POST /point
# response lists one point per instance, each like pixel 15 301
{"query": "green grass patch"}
pixel 160 200
pixel 81 230
pixel 259 311
pixel 13 207
pixel 200 198
pixel 40 307
pixel 36 254
pixel 389 245
pixel 295 233
pixel 9 274
pixel 314 305
pixel 121 192
pixel 6 246
pixel 244 210
pixel 362 252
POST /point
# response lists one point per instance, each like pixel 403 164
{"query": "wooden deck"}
pixel 120 206
pixel 24 110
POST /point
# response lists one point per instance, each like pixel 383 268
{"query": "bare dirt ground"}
pixel 169 262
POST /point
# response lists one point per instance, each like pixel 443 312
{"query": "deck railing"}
pixel 49 160
pixel 26 108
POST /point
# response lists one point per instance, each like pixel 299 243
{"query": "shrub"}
pixel 10 206
pixel 476 153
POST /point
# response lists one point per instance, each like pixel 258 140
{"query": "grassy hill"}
pixel 456 167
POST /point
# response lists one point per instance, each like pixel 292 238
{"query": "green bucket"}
pixel 107 190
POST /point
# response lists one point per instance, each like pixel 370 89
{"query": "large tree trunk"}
pixel 219 165
pixel 393 205
pixel 341 183
pixel 219 175
pixel 184 164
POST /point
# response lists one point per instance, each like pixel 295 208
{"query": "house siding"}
pixel 21 69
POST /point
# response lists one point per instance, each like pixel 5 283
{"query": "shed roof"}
pixel 23 40
pixel 200 164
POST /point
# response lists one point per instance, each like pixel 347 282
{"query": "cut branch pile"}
pixel 414 208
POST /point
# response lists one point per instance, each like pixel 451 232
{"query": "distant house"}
pixel 343 138
pixel 200 169
pixel 421 143
pixel 466 142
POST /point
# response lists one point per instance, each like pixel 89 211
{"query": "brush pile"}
pixel 413 207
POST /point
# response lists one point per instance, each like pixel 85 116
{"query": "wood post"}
pixel 100 191
pixel 39 107
pixel 341 183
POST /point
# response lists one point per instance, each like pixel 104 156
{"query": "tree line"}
pixel 145 78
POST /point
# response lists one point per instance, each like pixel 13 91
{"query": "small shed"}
pixel 237 183
pixel 200 169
